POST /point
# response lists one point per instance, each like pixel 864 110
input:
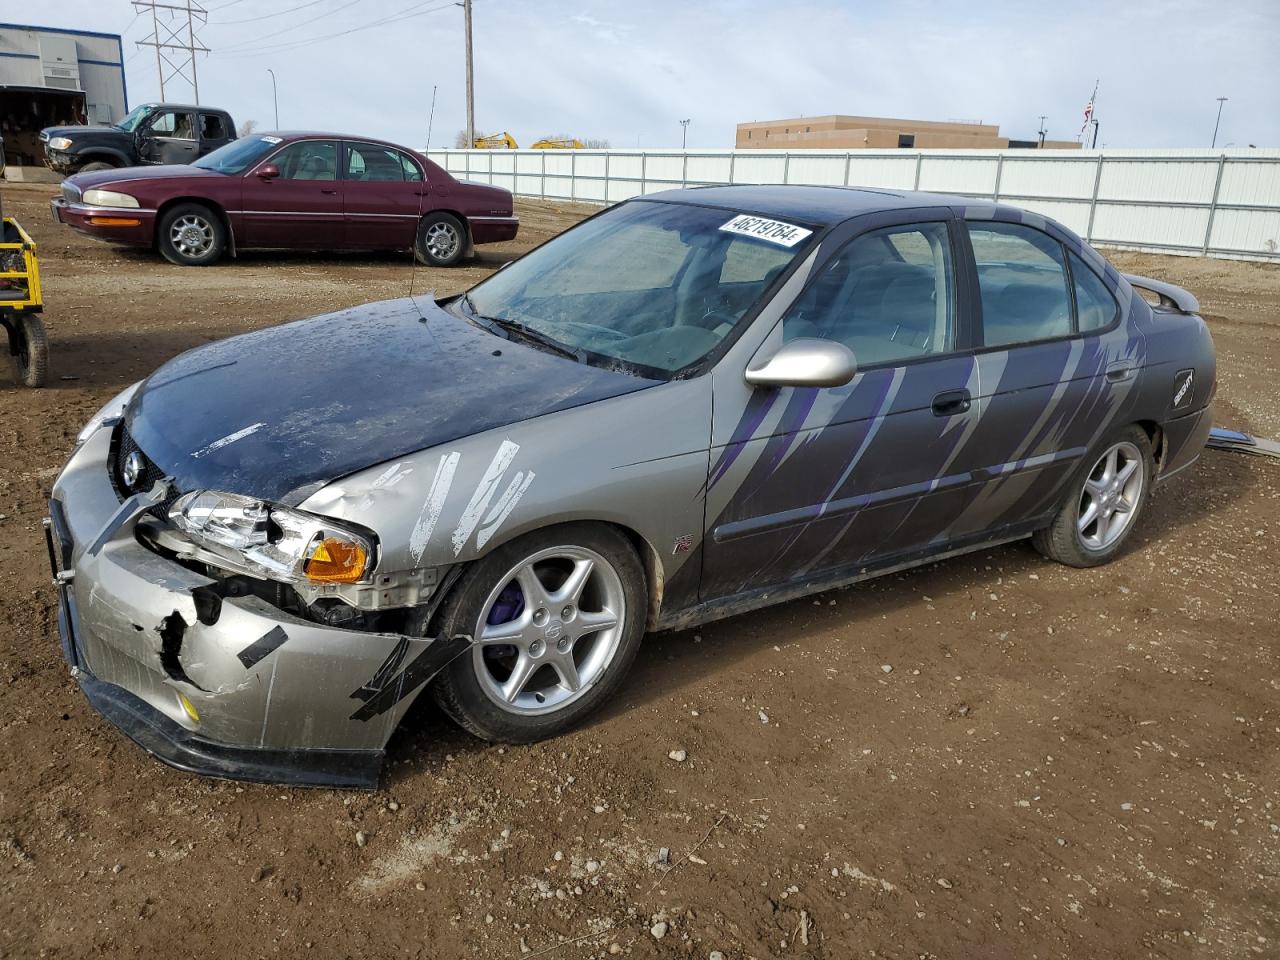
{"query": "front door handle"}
pixel 951 402
pixel 331 193
pixel 1119 371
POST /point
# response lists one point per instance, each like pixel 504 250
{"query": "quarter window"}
pixel 1095 305
pixel 888 296
pixel 308 160
pixel 1023 281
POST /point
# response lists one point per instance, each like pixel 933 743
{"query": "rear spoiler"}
pixel 1171 297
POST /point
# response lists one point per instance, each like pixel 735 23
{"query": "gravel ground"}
pixel 990 757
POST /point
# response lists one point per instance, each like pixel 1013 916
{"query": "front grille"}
pixel 123 445
pixel 71 193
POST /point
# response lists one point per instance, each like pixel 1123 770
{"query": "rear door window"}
pixel 213 127
pixel 369 163
pixel 1022 277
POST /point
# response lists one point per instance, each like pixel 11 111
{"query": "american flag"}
pixel 1088 109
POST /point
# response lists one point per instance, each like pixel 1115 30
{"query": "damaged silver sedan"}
pixel 691 405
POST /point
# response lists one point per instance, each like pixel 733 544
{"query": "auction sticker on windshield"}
pixel 775 231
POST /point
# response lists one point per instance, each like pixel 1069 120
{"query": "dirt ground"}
pixel 990 757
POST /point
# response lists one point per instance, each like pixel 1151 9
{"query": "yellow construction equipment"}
pixel 570 143
pixel 496 141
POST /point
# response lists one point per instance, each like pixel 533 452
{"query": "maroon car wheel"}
pixel 442 240
pixel 191 235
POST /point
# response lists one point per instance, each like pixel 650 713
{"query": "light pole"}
pixel 684 133
pixel 1042 131
pixel 1221 101
pixel 275 100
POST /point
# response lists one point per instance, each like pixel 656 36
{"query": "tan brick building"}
pixel 839 132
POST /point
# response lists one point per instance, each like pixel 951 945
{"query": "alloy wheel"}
pixel 442 240
pixel 549 629
pixel 1110 498
pixel 191 236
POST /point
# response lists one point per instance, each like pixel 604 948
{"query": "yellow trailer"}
pixel 20 303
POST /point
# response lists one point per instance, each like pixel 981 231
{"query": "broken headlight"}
pixel 273 541
pixel 113 409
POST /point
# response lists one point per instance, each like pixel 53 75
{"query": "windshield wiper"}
pixel 525 332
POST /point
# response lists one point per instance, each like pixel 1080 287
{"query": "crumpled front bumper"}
pixel 268 696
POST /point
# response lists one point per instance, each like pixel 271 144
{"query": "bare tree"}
pixel 247 127
pixel 597 144
pixel 460 140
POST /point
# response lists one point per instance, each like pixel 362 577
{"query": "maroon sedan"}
pixel 308 191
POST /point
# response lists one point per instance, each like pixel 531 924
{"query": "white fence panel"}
pixel 1224 203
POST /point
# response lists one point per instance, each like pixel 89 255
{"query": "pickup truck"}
pixel 148 134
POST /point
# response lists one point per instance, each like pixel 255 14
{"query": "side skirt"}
pixel 750 600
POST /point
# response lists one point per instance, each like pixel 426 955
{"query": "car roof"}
pixel 327 135
pixel 812 204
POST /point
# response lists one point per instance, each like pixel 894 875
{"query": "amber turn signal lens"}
pixel 336 561
pixel 114 222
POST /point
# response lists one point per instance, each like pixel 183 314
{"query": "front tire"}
pixel 442 240
pixel 1106 498
pixel 191 235
pixel 557 616
pixel 95 166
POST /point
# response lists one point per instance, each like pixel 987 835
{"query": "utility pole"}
pixel 684 133
pixel 275 100
pixel 471 95
pixel 1221 101
pixel 1043 131
pixel 169 35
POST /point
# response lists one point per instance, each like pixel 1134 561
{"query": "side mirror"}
pixel 268 171
pixel 804 362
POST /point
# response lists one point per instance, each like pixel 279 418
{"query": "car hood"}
pixel 101 178
pixel 278 413
pixel 76 130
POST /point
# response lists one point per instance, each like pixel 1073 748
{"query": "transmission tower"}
pixel 175 41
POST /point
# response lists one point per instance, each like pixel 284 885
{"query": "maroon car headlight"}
pixel 109 198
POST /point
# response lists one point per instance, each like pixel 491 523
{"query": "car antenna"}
pixel 413 250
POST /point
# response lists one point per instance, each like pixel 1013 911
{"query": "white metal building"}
pixel 50 76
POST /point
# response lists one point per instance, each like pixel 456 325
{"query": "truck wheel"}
pixel 191 235
pixel 94 166
pixel 557 616
pixel 442 240
pixel 32 361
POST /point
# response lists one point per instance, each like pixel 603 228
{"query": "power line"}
pixel 172 49
pixel 305 23
pixel 268 16
pixel 405 14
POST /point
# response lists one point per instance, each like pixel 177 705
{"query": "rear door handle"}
pixel 1119 371
pixel 332 193
pixel 950 402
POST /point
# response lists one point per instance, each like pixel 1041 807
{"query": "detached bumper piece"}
pixel 1220 439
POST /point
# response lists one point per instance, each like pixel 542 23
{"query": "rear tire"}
pixel 558 616
pixel 95 166
pixel 442 240
pixel 191 235
pixel 32 361
pixel 1104 501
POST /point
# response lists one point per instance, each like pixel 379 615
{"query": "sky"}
pixel 628 72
